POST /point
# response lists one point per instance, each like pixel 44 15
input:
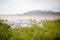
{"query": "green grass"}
pixel 50 31
pixel 5 32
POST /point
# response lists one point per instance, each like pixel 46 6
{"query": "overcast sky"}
pixel 9 7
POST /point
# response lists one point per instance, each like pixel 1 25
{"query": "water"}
pixel 25 24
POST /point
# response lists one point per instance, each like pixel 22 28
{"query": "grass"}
pixel 50 31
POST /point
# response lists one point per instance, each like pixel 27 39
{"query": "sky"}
pixel 11 7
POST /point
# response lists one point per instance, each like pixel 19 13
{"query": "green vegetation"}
pixel 5 32
pixel 50 31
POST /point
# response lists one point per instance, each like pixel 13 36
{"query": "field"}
pixel 50 31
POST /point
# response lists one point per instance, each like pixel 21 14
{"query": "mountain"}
pixel 42 12
pixel 35 12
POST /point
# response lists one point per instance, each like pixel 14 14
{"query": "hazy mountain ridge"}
pixel 36 12
pixel 42 12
